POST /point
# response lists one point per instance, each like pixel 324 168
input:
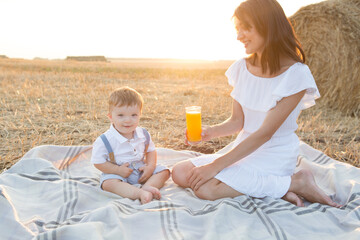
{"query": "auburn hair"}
pixel 269 19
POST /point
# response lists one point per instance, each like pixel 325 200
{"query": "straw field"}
pixel 65 103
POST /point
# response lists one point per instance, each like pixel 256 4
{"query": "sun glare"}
pixel 184 29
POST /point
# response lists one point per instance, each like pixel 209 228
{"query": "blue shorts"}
pixel 134 176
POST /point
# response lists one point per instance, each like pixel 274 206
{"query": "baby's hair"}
pixel 125 96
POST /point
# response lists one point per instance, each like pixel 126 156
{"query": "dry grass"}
pixel 64 103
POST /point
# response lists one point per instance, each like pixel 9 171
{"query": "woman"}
pixel 270 88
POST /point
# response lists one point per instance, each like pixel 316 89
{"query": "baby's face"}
pixel 125 119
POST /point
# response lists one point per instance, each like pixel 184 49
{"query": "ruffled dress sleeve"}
pixel 234 71
pixel 299 78
pixel 262 94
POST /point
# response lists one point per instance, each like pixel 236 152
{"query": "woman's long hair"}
pixel 272 24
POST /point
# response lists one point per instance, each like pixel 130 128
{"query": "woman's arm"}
pixel 272 122
pixel 230 126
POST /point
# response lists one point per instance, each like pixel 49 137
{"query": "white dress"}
pixel 268 170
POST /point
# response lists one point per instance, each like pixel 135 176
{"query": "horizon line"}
pixel 121 58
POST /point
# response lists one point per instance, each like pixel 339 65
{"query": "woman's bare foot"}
pixel 304 185
pixel 145 196
pixel 294 199
pixel 153 190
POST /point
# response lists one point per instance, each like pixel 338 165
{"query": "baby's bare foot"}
pixel 153 190
pixel 145 197
pixel 294 199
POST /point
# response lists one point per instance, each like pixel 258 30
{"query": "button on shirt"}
pixel 125 150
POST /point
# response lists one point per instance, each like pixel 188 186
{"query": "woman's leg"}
pixel 304 185
pixel 293 198
pixel 215 189
pixel 211 190
pixel 179 173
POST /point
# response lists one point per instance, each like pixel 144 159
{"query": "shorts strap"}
pixel 108 147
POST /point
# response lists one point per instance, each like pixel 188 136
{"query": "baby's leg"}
pixel 127 190
pixel 155 182
pixel 304 185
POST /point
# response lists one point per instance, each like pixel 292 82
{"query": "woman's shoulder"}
pixel 299 71
pixel 293 64
pixel 234 71
pixel 238 63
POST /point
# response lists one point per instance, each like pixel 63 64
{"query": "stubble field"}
pixel 65 103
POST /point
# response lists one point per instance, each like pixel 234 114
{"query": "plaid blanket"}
pixel 53 193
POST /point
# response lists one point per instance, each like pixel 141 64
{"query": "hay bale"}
pixel 40 59
pixel 329 32
pixel 87 58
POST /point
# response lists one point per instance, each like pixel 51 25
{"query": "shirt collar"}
pixel 138 134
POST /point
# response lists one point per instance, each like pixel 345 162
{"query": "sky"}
pixel 185 29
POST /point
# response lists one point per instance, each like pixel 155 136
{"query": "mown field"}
pixel 65 103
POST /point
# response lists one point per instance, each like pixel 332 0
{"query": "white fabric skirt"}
pixel 264 173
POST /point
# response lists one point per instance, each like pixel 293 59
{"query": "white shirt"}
pixel 125 150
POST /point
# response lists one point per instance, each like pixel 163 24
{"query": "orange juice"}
pixel 193 123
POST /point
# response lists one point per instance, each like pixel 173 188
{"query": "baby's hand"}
pixel 124 170
pixel 147 172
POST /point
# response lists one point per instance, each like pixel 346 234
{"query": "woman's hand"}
pixel 200 175
pixel 205 135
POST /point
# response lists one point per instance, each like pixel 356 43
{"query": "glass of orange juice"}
pixel 193 124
